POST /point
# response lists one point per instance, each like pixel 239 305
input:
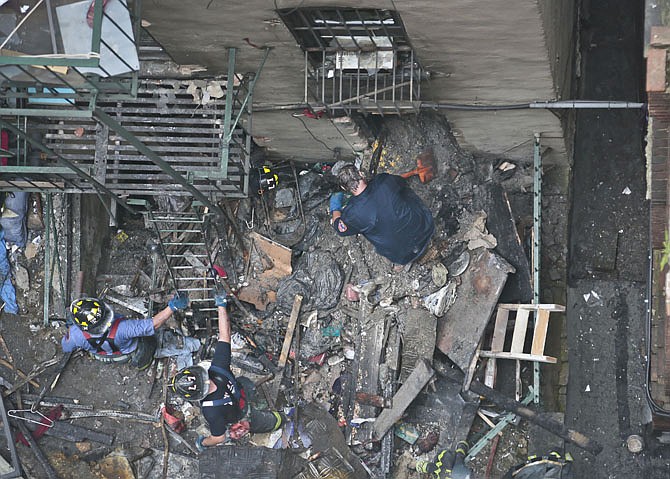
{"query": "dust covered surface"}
pixel 326 270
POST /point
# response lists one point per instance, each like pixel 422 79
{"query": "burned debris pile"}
pixel 377 368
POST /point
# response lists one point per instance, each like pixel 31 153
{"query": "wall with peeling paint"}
pixel 486 52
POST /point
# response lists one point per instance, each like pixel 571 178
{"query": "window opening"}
pixel 356 59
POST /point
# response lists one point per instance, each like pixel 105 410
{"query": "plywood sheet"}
pixel 460 329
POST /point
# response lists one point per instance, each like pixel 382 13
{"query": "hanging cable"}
pixel 297 117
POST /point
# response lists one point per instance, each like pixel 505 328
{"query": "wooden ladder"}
pixel 516 348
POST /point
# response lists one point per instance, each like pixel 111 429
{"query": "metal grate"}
pixel 170 117
pixel 356 59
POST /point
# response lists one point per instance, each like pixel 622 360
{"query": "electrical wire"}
pixel 297 117
pixel 342 135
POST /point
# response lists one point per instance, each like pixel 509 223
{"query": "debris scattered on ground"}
pixel 324 327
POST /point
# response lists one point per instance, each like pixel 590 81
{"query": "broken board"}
pixel 418 339
pixel 373 337
pixel 461 328
pixel 500 223
pixel 403 398
pixel 275 264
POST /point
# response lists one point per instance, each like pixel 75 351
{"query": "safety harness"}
pixel 236 396
pixel 97 342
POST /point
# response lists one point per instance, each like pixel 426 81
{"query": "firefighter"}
pixel 113 338
pixel 386 212
pixel 223 400
pixel 447 465
pixel 550 466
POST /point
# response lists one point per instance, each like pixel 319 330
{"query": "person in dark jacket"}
pixel 386 211
pixel 223 399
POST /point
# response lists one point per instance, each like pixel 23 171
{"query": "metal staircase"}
pixel 87 123
pixel 183 241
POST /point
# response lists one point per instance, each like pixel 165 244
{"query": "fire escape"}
pixel 79 117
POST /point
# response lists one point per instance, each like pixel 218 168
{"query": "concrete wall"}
pixel 486 51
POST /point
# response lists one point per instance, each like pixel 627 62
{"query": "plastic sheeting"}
pixel 7 291
pixel 317 278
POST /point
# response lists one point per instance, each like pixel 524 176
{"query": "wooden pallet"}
pixel 515 349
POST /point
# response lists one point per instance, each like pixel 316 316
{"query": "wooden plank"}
pixel 373 339
pixel 520 328
pixel 554 308
pixel 520 356
pixel 403 398
pixel 540 333
pixel 288 339
pixel 490 372
pixel 500 330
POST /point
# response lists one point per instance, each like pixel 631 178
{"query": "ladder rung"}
pixel 183 244
pixel 195 289
pixel 180 219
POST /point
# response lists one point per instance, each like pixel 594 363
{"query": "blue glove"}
pixel 178 301
pixel 199 445
pixel 220 297
pixel 336 201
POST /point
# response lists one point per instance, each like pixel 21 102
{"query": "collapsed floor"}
pixel 368 402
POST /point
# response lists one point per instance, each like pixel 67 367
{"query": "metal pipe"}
pixel 565 104
pixel 47 252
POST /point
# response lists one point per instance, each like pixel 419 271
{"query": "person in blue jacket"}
pixel 386 211
pixel 113 338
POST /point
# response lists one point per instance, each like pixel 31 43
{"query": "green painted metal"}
pixel 64 113
pixel 228 114
pixel 537 241
pixel 153 156
pixel 229 124
pixel 56 170
pixel 92 62
pixel 47 257
pixel 252 85
pixel 97 26
pixel 76 169
pixel 493 432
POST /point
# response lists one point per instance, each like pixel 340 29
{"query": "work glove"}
pixel 239 430
pixel 179 301
pixel 199 445
pixel 336 201
pixel 220 297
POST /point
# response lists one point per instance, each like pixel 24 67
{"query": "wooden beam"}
pixel 422 373
pixel 288 339
pixel 519 356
